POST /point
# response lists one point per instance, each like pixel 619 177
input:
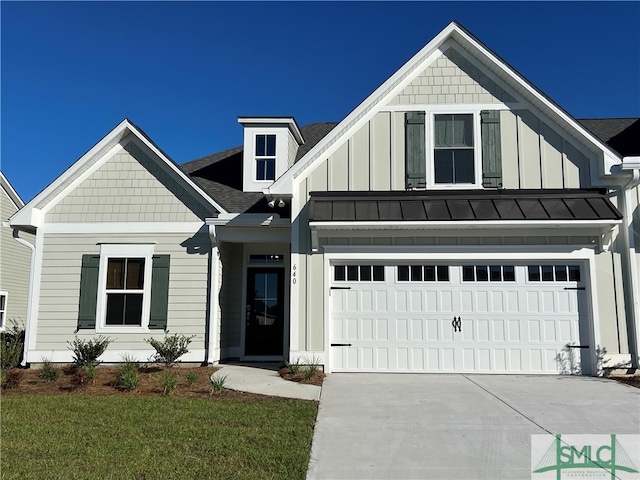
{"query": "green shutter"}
pixel 491 149
pixel 88 291
pixel 159 292
pixel 416 159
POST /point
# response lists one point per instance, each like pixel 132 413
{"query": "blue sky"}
pixel 184 72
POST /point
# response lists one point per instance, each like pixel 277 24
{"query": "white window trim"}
pixel 3 311
pixel 124 251
pixel 430 148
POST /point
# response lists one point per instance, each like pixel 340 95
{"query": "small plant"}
pixel 49 372
pixel 169 382
pixel 129 380
pixel 129 364
pixel 12 378
pixel 85 375
pixel 11 346
pixel 86 352
pixel 192 377
pixel 128 376
pixel 218 382
pixel 294 367
pixel 170 349
pixel 311 368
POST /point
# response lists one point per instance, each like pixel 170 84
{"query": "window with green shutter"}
pixel 124 289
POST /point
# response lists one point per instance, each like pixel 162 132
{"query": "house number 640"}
pixel 293 274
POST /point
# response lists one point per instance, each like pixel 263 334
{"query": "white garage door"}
pixel 416 317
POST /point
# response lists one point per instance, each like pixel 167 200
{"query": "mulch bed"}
pixel 634 381
pixel 106 383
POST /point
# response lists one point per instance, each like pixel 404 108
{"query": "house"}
pixel 16 261
pixel 457 220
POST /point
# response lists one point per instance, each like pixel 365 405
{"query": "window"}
pixel 124 287
pixel 266 259
pixel 265 157
pixel 3 308
pixel 125 291
pixel 554 273
pixel 423 273
pixel 453 157
pixel 488 273
pixel 358 273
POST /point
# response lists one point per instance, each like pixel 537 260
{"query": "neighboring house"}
pixel 457 220
pixel 15 261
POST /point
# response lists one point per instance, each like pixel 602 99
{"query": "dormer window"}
pixel 270 148
pixel 265 157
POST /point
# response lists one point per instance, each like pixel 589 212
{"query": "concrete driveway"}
pixel 386 426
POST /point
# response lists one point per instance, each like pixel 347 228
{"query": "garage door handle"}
pixel 340 288
pixel 574 288
pixel 457 324
pixel 578 346
pixel 340 344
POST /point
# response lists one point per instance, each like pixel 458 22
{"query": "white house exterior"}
pixel 457 220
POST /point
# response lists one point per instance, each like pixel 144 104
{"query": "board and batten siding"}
pixel 533 156
pixel 129 187
pixel 15 264
pixel 60 284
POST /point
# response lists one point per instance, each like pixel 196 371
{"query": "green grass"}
pixel 83 437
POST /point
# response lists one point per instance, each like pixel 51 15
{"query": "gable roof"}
pixel 31 215
pixel 10 192
pixel 621 134
pixel 525 92
pixel 220 174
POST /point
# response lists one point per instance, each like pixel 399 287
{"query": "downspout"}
pixel 633 164
pixel 27 330
pixel 213 347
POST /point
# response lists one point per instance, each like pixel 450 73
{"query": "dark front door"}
pixel 265 311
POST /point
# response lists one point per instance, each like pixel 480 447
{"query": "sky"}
pixel 184 71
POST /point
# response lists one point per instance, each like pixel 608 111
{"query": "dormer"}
pixel 270 148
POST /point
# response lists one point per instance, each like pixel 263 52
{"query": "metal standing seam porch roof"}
pixel 462 205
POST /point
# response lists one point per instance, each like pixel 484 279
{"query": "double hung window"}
pixel 124 287
pixel 265 157
pixel 453 156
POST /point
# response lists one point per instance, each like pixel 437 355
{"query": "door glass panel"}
pixel 561 273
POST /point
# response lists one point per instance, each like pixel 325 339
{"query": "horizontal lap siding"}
pixel 15 264
pixel 59 289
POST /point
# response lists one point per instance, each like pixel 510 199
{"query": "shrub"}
pixel 12 378
pixel 218 382
pixel 169 382
pixel 192 377
pixel 171 349
pixel 49 372
pixel 11 346
pixel 129 380
pixel 86 352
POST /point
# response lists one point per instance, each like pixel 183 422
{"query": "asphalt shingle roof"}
pixel 220 174
pixel 621 134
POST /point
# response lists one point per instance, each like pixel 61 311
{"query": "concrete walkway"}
pixel 383 426
pixel 264 379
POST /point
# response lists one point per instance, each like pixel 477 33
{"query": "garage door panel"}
pixel 507 327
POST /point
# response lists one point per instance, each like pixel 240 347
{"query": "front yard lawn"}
pixel 149 437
